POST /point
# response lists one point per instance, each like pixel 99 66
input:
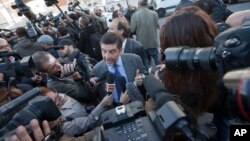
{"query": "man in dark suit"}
pixel 125 64
pixel 120 26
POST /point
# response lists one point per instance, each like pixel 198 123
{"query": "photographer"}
pixel 25 46
pixel 22 82
pixel 100 20
pixel 87 29
pixel 75 119
pixel 197 89
pixel 66 49
pixel 49 29
pixel 71 30
pixel 63 78
pixel 47 42
pixel 4 46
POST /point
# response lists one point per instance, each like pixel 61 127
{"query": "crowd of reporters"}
pixel 73 55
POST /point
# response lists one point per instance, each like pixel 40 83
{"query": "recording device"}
pixel 24 10
pixel 23 67
pixel 40 108
pixel 169 113
pixel 238 82
pixel 5 33
pixel 130 122
pixel 231 52
pixel 73 5
pixel 123 82
pixel 222 26
pixel 50 2
pixel 31 30
pixel 9 109
pixel 110 83
pixel 102 77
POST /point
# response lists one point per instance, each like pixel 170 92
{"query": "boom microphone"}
pixel 168 112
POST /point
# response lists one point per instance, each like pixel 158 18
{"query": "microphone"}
pixel 102 77
pixel 110 83
pixel 123 82
pixel 168 113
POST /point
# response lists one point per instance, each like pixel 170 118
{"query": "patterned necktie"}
pixel 117 81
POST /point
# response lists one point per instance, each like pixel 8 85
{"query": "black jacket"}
pixel 84 44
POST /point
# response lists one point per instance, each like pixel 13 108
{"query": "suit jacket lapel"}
pixel 127 46
pixel 127 67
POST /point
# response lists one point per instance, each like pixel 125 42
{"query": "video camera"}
pixel 23 10
pixel 50 2
pixel 231 52
pixel 38 107
pixel 23 67
pixel 73 5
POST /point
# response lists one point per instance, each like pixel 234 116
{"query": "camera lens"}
pixel 185 58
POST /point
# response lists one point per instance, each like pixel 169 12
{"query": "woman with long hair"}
pixel 197 89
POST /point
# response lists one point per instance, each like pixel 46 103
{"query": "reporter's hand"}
pixel 106 101
pixel 138 78
pixel 23 135
pixel 93 80
pixel 124 99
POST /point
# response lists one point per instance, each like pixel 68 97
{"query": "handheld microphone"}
pixel 168 113
pixel 110 83
pixel 102 77
pixel 123 82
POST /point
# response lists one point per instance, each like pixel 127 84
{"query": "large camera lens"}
pixel 185 58
pixel 40 108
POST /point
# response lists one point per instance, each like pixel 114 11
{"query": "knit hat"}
pixel 45 39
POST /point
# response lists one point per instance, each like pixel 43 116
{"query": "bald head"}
pixel 120 26
pixel 2 41
pixel 4 45
pixel 238 18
